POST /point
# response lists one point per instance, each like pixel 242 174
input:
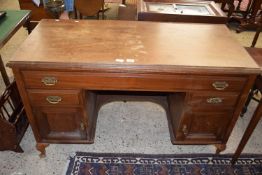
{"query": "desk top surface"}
pixel 134 44
pixel 10 23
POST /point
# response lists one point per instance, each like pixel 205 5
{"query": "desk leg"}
pixel 41 147
pixel 220 148
pixel 3 72
pixel 251 126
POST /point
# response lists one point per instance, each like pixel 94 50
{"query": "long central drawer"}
pixel 125 81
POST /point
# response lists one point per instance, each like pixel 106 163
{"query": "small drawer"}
pixel 202 99
pixel 54 97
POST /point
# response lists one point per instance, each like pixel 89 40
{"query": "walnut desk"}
pixel 66 70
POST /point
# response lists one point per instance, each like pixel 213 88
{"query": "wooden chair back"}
pixel 88 8
pixel 259 29
pixel 13 120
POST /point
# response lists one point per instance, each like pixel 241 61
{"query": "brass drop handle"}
pixel 54 99
pixel 185 130
pixel 214 100
pixel 220 85
pixel 49 81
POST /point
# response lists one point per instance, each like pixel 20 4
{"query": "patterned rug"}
pixel 130 164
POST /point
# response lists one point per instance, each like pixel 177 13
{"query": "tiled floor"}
pixel 121 128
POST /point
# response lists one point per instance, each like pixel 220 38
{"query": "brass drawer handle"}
pixel 185 130
pixel 214 100
pixel 220 85
pixel 53 99
pixel 49 81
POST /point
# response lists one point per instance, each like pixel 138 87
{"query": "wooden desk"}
pixel 8 26
pixel 199 74
pixel 256 53
pixel 180 11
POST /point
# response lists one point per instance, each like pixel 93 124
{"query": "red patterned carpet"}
pixel 130 164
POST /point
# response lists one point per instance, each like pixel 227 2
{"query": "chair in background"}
pixel 232 6
pixel 256 54
pixel 256 89
pixel 89 8
pixel 259 29
pixel 250 19
pixel 13 120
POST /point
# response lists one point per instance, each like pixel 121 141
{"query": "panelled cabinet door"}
pixel 55 123
pixel 204 127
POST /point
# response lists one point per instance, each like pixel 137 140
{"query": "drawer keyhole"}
pixel 185 130
pixel 214 100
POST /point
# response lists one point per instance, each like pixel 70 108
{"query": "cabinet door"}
pixel 204 127
pixel 62 124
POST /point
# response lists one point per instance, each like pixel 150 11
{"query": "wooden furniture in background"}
pixel 9 25
pixel 229 6
pixel 127 12
pixel 250 18
pixel 38 13
pixel 259 29
pixel 89 8
pixel 202 83
pixel 13 120
pixel 256 53
pixel 170 12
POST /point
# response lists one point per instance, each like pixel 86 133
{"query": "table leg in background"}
pixel 3 72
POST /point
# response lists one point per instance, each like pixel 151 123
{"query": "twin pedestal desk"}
pixel 66 70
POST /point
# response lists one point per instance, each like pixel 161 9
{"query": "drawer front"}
pixel 212 99
pixel 124 81
pixel 54 97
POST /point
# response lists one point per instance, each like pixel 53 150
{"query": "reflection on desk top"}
pixel 130 44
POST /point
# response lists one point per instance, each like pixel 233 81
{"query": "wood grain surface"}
pixel 134 44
